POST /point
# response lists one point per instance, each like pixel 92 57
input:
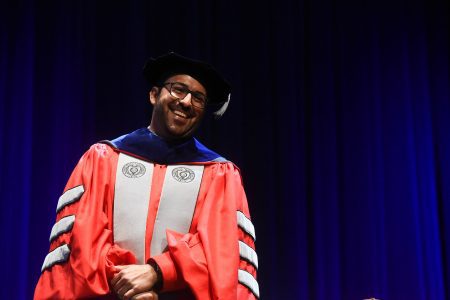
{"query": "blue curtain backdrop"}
pixel 339 120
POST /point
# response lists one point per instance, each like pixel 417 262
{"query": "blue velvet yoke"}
pixel 147 145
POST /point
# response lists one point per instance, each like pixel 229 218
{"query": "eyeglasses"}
pixel 180 91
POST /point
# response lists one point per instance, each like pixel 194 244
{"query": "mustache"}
pixel 188 110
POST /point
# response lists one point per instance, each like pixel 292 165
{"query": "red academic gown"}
pixel 201 264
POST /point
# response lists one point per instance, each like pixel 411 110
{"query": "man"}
pixel 154 213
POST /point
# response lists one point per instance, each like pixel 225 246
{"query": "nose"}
pixel 186 101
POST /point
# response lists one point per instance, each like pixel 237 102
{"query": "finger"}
pixel 122 291
pixel 155 295
pixel 115 279
pixel 120 272
pixel 146 296
pixel 122 286
pixel 130 294
pixel 119 284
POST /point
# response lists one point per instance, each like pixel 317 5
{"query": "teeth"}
pixel 180 114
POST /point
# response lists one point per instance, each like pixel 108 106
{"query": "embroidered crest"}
pixel 183 174
pixel 133 170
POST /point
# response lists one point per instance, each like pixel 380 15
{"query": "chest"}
pixel 151 198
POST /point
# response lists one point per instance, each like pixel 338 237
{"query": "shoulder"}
pixel 207 155
pixel 98 153
pixel 223 163
pixel 226 169
pixel 102 149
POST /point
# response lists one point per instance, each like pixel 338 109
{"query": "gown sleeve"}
pixel 218 260
pixel 82 255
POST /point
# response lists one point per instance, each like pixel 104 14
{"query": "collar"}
pixel 147 145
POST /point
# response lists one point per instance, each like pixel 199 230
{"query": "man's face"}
pixel 174 118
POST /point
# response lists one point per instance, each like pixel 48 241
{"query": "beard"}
pixel 172 121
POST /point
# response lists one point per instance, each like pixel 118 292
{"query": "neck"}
pixel 152 131
pixel 170 140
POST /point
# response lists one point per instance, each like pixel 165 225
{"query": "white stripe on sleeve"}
pixel 62 226
pixel 59 255
pixel 245 224
pixel 69 197
pixel 246 279
pixel 247 253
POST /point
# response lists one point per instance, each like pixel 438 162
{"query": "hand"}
pixel 146 296
pixel 131 280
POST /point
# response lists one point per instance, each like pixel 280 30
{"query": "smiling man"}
pixel 174 120
pixel 154 214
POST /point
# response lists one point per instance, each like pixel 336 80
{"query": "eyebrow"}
pixel 187 87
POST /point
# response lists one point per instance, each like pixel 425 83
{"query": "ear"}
pixel 153 95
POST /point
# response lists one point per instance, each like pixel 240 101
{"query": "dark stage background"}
pixel 339 120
